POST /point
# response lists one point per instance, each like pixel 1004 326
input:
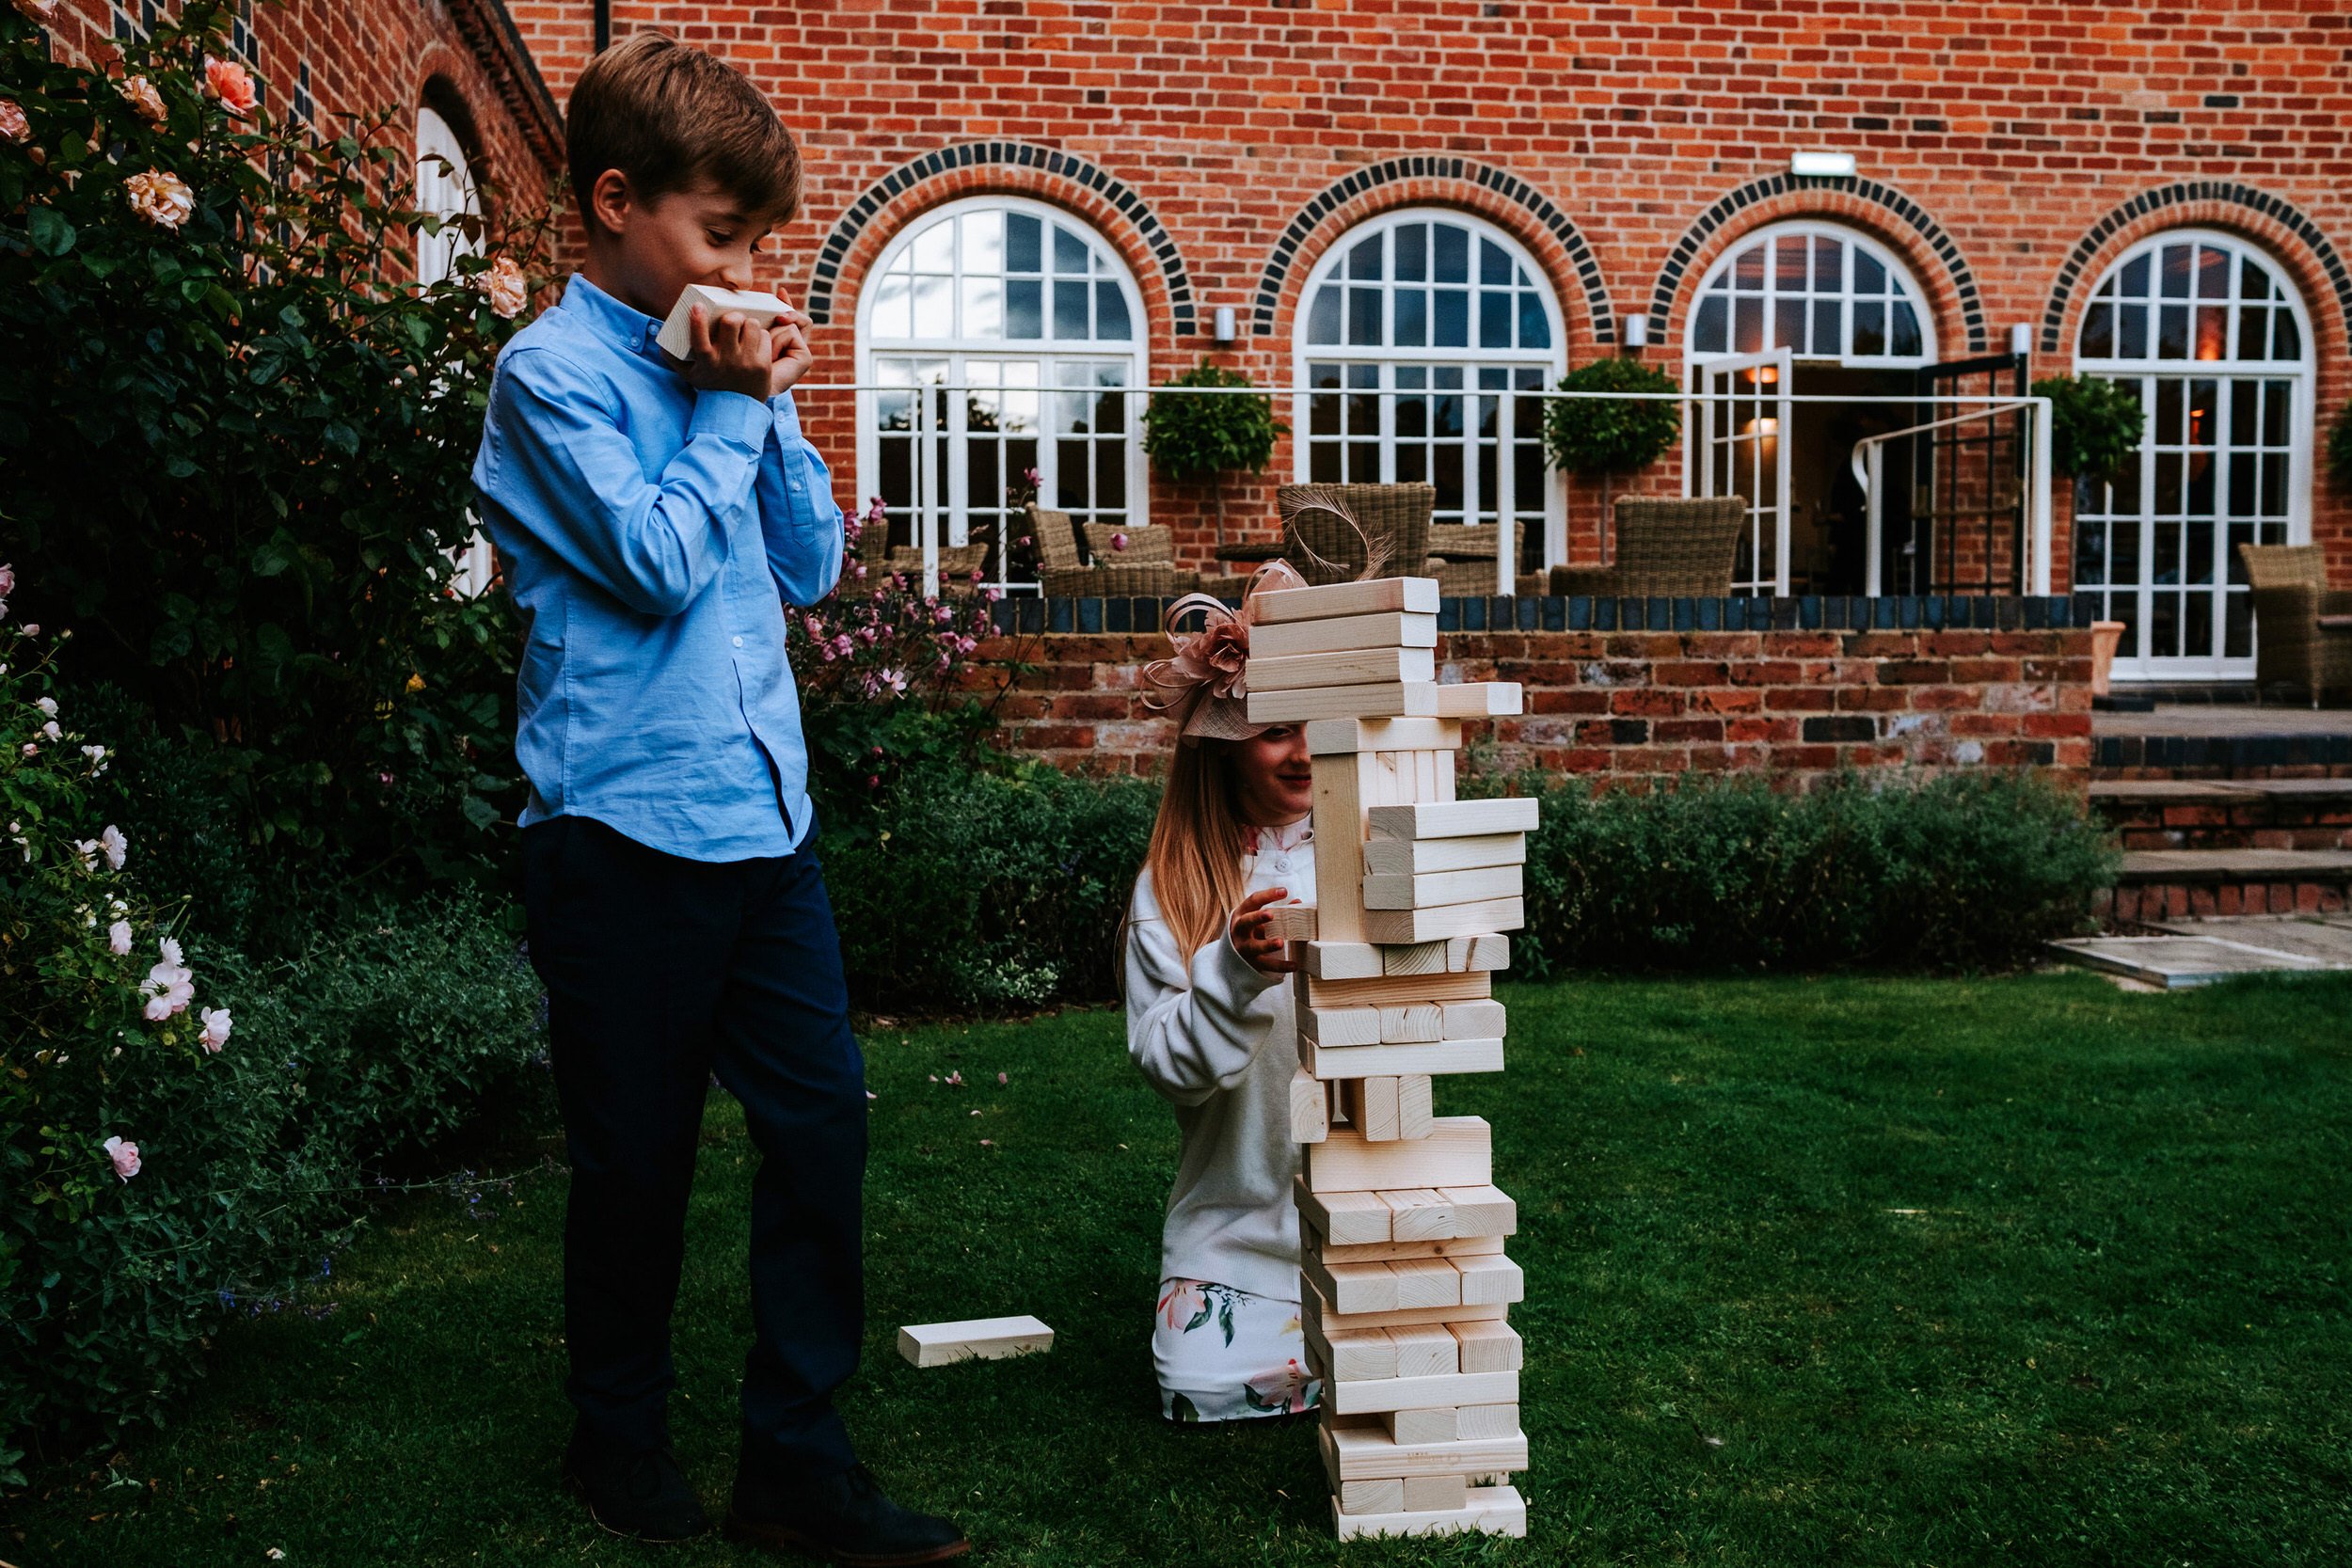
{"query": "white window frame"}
pixel 1810 228
pixel 2300 373
pixel 450 191
pixel 1551 363
pixel 955 506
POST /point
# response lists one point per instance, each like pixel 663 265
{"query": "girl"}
pixel 1209 1023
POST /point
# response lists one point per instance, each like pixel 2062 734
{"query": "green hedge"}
pixel 1970 871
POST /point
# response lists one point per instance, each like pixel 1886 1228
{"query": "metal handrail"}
pixel 1870 472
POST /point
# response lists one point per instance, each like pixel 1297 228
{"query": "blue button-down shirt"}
pixel 652 534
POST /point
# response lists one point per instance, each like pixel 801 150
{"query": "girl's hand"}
pixel 1268 953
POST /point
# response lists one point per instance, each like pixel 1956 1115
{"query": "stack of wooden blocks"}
pixel 1406 1287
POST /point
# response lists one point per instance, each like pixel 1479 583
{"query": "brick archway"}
pixel 1877 210
pixel 2299 245
pixel 1020 168
pixel 1495 194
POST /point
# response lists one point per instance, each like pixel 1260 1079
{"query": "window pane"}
pixel 1412 318
pixel 2278 398
pixel 2286 339
pixel 2173 332
pixel 1747 270
pixel 2098 339
pixel 935 310
pixel 1411 244
pixel 2174 262
pixel 1907 336
pixel 1072 493
pixel 2134 282
pixel 1869 277
pixel 936 248
pixel 1363 316
pixel 1710 332
pixel 1535 331
pixel 2132 343
pixel 1110 313
pixel 1024 309
pixel 1322 316
pixel 1023 236
pixel 1869 324
pixel 1069 306
pixel 1452 246
pixel 1789 323
pixel 1363 259
pixel 983 307
pixel 1110 475
pixel 893 305
pixel 1748 326
pixel 1789 254
pixel 1494 319
pixel 1493 265
pixel 1070 252
pixel 1452 314
pixel 1828 319
pixel 1827 255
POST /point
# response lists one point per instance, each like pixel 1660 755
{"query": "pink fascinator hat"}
pixel 1204 686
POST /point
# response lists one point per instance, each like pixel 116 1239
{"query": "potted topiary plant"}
pixel 1207 437
pixel 2094 429
pixel 1605 436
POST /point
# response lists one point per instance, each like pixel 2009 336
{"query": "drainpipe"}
pixel 604 25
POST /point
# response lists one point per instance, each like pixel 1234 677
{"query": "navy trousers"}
pixel 660 971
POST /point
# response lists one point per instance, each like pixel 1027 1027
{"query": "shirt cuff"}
pixel 731 417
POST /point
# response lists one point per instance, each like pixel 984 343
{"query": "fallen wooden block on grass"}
pixel 973 1339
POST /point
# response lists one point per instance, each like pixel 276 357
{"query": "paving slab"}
pixel 2323 941
pixel 2198 952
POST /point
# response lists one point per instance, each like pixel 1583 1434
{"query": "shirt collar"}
pixel 1289 837
pixel 630 330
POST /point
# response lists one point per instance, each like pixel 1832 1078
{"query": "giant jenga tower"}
pixel 1405 1286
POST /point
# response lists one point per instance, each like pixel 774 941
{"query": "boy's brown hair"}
pixel 668 116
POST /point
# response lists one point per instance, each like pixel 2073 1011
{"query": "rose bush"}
pixel 238 445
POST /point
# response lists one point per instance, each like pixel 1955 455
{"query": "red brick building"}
pixel 1429 207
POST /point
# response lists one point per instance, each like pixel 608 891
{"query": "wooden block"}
pixel 677 336
pixel 1479 700
pixel 1371 1107
pixel 1343 1218
pixel 1385 1495
pixel 1420 957
pixel 1485 1280
pixel 1327 735
pixel 1421 1393
pixel 1420 1214
pixel 1426 1494
pixel 1471 1020
pixel 1354 1288
pixel 1341 1027
pixel 1420 856
pixel 1482 951
pixel 1416 1106
pixel 973 1339
pixel 1440 1057
pixel 1392 628
pixel 1385 700
pixel 1362 1449
pixel 1418 1282
pixel 1433 888
pixel 1413 596
pixel 1313 1304
pixel 1435 1424
pixel 1428 1351
pixel 1339 843
pixel 1290 922
pixel 1352 1353
pixel 1311 1108
pixel 1459 1152
pixel 1401 778
pixel 1486 1347
pixel 1411 1024
pixel 1455 818
pixel 1480 1211
pixel 1346 960
pixel 1347 667
pixel 1487 1511
pixel 1487 1423
pixel 1445 920
pixel 1469 985
pixel 1387 1252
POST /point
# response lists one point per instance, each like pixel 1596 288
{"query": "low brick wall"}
pixel 1990 684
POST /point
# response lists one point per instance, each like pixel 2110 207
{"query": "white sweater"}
pixel 1217 1039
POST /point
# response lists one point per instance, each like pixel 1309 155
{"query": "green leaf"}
pixel 48 231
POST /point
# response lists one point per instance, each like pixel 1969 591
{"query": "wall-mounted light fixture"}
pixel 1633 330
pixel 1821 165
pixel 1226 328
pixel 2021 338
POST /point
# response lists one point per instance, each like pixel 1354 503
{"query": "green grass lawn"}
pixel 1838 1271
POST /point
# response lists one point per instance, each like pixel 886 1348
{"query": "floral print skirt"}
pixel 1223 1355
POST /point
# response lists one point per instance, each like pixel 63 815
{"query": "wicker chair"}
pixel 1665 549
pixel 1069 570
pixel 2291 595
pixel 957 562
pixel 1462 558
pixel 1395 514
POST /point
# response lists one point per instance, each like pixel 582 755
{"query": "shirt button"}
pixel 1282 863
pixel 738 642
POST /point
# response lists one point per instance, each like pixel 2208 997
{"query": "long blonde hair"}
pixel 1198 841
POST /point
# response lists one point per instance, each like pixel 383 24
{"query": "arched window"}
pixel 2200 328
pixel 1416 328
pixel 445 189
pixel 1034 315
pixel 1821 292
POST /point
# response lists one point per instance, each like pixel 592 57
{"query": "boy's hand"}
pixel 1268 953
pixel 731 355
pixel 789 339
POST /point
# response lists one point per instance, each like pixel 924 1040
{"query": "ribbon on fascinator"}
pixel 1205 685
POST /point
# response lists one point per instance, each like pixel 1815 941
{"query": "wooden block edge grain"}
pixel 973 1339
pixel 1357 1453
pixel 1377 1396
pixel 1334 600
pixel 1439 1058
pixel 1492 1510
pixel 1502 814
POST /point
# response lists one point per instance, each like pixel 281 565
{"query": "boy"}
pixel 655 516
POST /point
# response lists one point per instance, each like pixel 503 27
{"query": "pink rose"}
pixel 216 1031
pixel 141 95
pixel 163 199
pixel 7 572
pixel 14 126
pixel 118 849
pixel 126 1155
pixel 231 82
pixel 504 285
pixel 1119 541
pixel 118 938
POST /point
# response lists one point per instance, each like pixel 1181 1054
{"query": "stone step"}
pixel 2120 753
pixel 2180 885
pixel 2234 813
